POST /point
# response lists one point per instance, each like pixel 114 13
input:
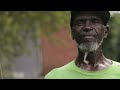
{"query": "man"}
pixel 89 29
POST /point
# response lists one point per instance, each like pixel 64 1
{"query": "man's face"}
pixel 88 31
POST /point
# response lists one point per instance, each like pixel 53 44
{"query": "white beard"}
pixel 89 47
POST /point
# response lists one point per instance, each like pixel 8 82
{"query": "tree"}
pixel 111 44
pixel 17 26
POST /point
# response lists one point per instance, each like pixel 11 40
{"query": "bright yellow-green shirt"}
pixel 71 71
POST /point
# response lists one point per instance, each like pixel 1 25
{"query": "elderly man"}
pixel 89 29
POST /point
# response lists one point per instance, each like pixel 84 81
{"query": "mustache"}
pixel 92 33
pixel 88 34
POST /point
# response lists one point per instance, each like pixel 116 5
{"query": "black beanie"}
pixel 104 15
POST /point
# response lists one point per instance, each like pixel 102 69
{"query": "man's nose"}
pixel 88 26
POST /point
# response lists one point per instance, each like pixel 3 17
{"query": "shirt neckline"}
pixel 100 72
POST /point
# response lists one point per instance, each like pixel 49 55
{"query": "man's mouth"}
pixel 88 38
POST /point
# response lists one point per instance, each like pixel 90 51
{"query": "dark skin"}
pixel 88 27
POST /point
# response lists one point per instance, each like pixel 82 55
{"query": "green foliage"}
pixel 112 42
pixel 17 26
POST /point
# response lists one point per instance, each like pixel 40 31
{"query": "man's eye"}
pixel 95 21
pixel 79 23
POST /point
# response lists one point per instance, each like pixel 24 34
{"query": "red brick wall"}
pixel 58 55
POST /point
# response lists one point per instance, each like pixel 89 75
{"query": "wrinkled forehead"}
pixel 87 17
pixel 86 14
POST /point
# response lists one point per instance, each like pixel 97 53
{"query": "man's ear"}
pixel 106 31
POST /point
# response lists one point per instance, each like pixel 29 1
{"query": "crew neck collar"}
pixel 100 72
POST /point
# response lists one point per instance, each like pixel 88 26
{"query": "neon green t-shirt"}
pixel 71 71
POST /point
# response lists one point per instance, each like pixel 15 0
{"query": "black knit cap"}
pixel 104 15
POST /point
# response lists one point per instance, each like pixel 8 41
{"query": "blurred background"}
pixel 34 42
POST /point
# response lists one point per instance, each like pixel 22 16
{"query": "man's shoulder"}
pixel 55 73
pixel 115 63
pixel 115 69
pixel 116 66
pixel 51 74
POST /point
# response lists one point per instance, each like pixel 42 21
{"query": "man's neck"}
pixel 92 61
